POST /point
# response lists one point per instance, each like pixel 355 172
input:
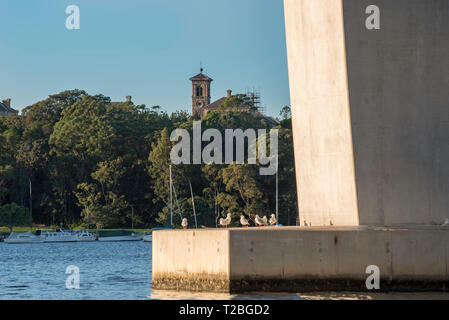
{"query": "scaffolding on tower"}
pixel 254 96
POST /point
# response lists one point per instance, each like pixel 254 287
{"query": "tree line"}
pixel 86 160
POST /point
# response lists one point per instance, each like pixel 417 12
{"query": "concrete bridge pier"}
pixel 370 115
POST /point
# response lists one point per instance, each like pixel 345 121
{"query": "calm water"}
pixel 114 270
pixel 108 270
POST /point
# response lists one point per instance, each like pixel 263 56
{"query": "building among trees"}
pixel 5 108
pixel 201 104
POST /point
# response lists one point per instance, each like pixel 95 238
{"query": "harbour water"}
pixel 115 270
pixel 108 270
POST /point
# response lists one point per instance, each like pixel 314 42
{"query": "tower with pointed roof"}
pixel 200 91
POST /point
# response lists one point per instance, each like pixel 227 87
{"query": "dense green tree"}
pixel 286 117
pixel 14 215
pixel 242 179
pixel 159 170
pixel 95 161
pixel 41 117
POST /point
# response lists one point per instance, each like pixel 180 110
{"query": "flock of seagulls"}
pixel 224 222
pixel 261 221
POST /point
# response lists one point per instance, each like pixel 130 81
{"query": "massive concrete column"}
pixel 370 111
pixel 320 110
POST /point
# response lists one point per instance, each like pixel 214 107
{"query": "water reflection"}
pixel 185 295
pixel 174 295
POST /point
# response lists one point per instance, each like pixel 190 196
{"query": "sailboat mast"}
pixel 88 214
pixel 31 207
pixel 177 203
pixel 132 217
pixel 193 204
pixel 277 192
pixel 171 200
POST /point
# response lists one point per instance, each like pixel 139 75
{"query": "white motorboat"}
pixel 118 235
pixel 148 237
pixel 23 237
pixel 85 235
pixel 59 236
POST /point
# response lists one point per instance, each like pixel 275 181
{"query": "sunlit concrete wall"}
pixel 370 111
pixel 320 112
pixel 295 259
pixel 194 259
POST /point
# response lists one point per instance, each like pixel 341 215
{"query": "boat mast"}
pixel 132 217
pixel 193 204
pixel 171 201
pixel 177 203
pixel 31 207
pixel 88 214
pixel 277 192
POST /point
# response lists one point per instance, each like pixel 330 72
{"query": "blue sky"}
pixel 144 48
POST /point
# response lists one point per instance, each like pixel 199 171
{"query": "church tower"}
pixel 200 92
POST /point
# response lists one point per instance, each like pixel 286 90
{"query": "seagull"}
pixel 225 222
pixel 243 221
pixel 260 221
pixel 184 223
pixel 273 219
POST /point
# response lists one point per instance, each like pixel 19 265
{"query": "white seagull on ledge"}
pixel 225 222
pixel 260 221
pixel 273 219
pixel 243 221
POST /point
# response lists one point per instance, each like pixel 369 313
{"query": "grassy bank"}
pixel 5 230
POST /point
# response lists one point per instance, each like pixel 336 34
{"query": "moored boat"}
pixel 23 237
pixel 118 235
pixel 148 237
pixel 59 236
pixel 85 235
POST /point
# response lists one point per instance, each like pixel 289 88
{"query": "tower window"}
pixel 199 91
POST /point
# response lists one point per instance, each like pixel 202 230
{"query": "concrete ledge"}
pixel 299 259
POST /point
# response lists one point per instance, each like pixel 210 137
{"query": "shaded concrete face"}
pixel 370 111
pixel 398 80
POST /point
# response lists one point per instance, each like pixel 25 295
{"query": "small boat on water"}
pixel 85 236
pixel 118 235
pixel 23 237
pixel 60 235
pixel 148 237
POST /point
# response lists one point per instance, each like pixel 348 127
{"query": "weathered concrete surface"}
pixel 399 96
pixel 379 157
pixel 298 259
pixel 194 259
